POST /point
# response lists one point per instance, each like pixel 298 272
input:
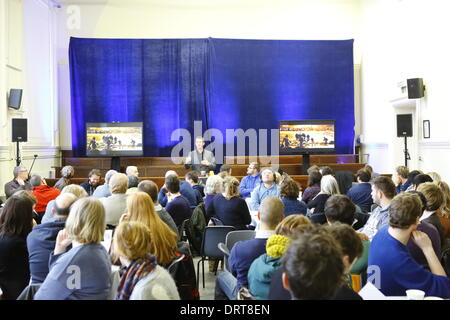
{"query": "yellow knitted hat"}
pixel 277 245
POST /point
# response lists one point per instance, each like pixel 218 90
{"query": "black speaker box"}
pixel 19 130
pixel 415 88
pixel 404 125
pixel 15 98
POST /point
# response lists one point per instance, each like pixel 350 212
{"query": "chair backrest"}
pixel 216 221
pixel 212 236
pixel 239 235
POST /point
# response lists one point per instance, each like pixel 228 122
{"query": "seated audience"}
pixel 177 206
pixel 87 258
pixel 185 189
pixel 164 241
pixel 74 189
pixel 313 168
pixel 411 177
pixel 400 178
pixel 213 186
pixel 434 176
pixel 373 174
pixel 132 171
pixel 435 198
pixel 41 240
pixel 395 269
pixel 243 253
pixel 444 212
pixel 313 188
pixel 192 178
pixel 103 190
pixel 360 194
pixel 43 193
pixel 249 182
pixel 133 182
pixel 419 179
pixel 262 269
pixel 143 278
pixel 283 176
pixel 20 181
pixel 150 188
pixel 115 205
pixel 326 170
pixel 383 191
pixel 229 207
pixel 92 182
pixel 313 267
pixel 67 172
pixel 227 169
pixel 267 187
pixel 16 222
pixel 289 193
pixel 328 187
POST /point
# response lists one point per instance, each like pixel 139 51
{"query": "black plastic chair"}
pixel 216 221
pixel 212 236
pixel 232 238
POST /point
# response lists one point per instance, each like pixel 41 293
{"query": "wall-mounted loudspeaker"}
pixel 15 98
pixel 404 125
pixel 416 90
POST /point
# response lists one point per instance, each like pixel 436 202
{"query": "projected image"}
pixel 295 137
pixel 110 140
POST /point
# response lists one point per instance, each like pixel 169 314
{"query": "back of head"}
pixel 404 210
pixel 133 182
pixel 312 169
pixel 326 170
pixel 231 186
pixel 132 240
pixel 339 208
pixel 314 177
pixel 171 173
pixel 313 266
pixel 118 183
pixel 421 178
pixel 67 172
pixel 433 194
pixel 63 203
pixel 289 189
pixel 271 212
pixel 172 183
pixel 76 190
pixel 369 169
pixel 213 185
pixel 36 180
pixel 329 185
pixel 363 175
pixel 348 239
pixel 150 188
pixel 86 222
pixel 385 185
pixel 412 175
pixel 192 175
pixel 292 225
pixel 109 175
pixel 445 209
pixel 226 168
pixel 402 171
pixel 16 219
pixel 140 207
pixel 26 194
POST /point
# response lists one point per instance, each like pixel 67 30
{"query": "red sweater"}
pixel 44 194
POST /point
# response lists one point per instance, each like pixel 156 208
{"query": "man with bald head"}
pixel 185 189
pixel 41 240
pixel 243 253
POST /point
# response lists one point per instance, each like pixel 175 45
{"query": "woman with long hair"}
pixel 328 187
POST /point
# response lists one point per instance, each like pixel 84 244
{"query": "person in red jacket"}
pixel 43 193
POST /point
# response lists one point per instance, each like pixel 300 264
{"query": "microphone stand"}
pixel 32 164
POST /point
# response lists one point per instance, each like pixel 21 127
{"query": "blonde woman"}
pixel 444 211
pixel 262 269
pixel 328 187
pixel 229 207
pixel 84 271
pixel 164 241
pixel 143 279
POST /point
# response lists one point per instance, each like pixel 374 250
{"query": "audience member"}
pixel 400 178
pixel 132 171
pixel 326 170
pixel 313 188
pixel 226 168
pixel 283 176
pixel 143 278
pixel 328 187
pixel 434 176
pixel 16 222
pixel 115 205
pixel 74 189
pixel 103 190
pixel 395 269
pixel 373 174
pixel 84 271
pixel 411 177
pixel 185 189
pixel 20 181
pixel 243 253
pixel 360 194
pixel 150 188
pixel 92 182
pixel 249 182
pixel 229 207
pixel 192 178
pixel 67 172
pixel 289 193
pixel 133 182
pixel 41 240
pixel 435 199
pixel 267 187
pixel 178 206
pixel 43 193
pixel 444 212
pixel 419 179
pixel 213 186
pixel 383 191
pixel 313 168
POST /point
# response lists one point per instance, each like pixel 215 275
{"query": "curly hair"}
pixel 289 189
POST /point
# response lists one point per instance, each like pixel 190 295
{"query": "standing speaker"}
pixel 19 130
pixel 415 88
pixel 404 125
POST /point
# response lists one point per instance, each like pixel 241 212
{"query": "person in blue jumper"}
pixel 249 182
pixel 84 271
pixel 185 189
pixel 391 267
pixel 289 192
pixel 267 187
pixel 361 194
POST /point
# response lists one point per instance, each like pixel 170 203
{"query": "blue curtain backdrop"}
pixel 225 83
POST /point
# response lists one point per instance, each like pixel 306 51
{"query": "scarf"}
pixel 136 271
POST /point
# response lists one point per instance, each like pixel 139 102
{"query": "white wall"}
pixel 250 19
pixel 400 40
pixel 27 52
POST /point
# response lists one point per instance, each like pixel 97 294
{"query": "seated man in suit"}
pixel 20 181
